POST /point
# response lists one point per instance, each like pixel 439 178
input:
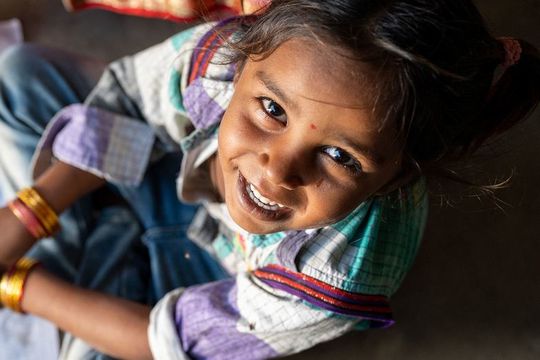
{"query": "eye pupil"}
pixel 342 158
pixel 274 109
pixel 338 155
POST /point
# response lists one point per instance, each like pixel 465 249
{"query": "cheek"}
pixel 329 203
pixel 236 134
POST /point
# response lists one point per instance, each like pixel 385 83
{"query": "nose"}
pixel 287 166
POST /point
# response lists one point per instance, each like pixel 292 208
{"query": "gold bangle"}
pixel 13 282
pixel 46 215
pixel 3 287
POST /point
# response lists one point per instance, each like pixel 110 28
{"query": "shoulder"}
pixel 354 266
pixel 162 75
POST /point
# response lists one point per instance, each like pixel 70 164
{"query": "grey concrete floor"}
pixel 474 291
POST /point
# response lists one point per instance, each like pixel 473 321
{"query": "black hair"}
pixel 434 60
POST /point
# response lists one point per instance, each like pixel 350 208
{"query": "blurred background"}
pixel 474 291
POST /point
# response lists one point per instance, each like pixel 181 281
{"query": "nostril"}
pixel 292 182
pixel 282 169
pixel 284 176
pixel 263 158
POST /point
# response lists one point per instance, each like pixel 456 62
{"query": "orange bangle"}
pixel 13 282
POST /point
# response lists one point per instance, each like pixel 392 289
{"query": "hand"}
pixel 15 240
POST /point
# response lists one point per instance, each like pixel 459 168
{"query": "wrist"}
pixel 13 281
pixel 37 216
pixel 26 219
pixel 16 239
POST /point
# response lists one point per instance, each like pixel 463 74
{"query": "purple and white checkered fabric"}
pixel 108 145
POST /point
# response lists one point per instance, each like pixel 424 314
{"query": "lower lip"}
pixel 255 210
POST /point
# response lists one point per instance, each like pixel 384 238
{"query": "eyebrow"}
pixel 274 88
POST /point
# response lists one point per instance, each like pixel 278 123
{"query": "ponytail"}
pixel 514 95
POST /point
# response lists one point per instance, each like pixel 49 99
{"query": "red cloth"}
pixel 174 10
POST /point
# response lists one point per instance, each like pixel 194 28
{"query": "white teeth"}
pixel 261 200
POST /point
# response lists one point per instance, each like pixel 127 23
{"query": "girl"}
pixel 306 132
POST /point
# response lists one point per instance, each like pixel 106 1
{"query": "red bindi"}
pixel 313 127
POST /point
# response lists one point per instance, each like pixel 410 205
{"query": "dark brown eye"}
pixel 273 109
pixel 342 158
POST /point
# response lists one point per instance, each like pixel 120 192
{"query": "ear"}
pixel 410 170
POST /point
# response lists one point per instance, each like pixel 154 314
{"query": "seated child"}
pixel 306 132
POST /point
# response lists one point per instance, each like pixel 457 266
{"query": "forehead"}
pixel 318 72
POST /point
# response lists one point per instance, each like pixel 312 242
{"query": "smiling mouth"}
pixel 262 201
pixel 258 205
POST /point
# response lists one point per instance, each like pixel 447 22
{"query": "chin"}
pixel 255 227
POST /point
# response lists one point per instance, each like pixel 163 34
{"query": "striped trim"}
pixel 318 293
pixel 208 46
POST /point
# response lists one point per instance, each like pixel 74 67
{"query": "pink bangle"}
pixel 40 209
pixel 28 219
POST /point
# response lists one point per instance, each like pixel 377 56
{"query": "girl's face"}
pixel 298 148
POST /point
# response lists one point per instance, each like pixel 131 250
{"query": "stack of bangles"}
pixel 36 215
pixel 41 221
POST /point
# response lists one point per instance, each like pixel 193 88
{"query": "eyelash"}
pixel 261 100
pixel 354 169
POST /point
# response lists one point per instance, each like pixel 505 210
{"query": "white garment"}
pixel 10 33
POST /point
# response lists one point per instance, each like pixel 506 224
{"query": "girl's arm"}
pixel 112 325
pixel 60 185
